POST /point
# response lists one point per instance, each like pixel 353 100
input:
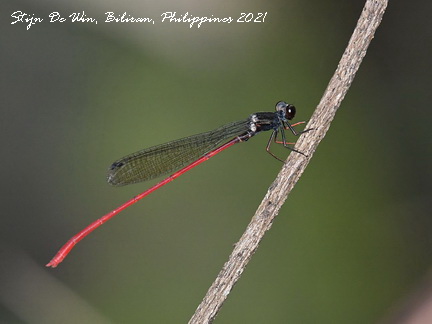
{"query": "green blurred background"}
pixel 352 240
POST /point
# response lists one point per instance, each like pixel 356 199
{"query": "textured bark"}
pixel 295 164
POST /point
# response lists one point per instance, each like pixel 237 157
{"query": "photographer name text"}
pixel 19 17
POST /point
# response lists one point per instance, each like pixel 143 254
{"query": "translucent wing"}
pixel 164 158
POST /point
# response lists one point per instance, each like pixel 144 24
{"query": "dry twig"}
pixel 296 163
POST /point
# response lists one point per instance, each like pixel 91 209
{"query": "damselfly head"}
pixel 287 110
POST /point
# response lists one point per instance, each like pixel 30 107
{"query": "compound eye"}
pixel 290 112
